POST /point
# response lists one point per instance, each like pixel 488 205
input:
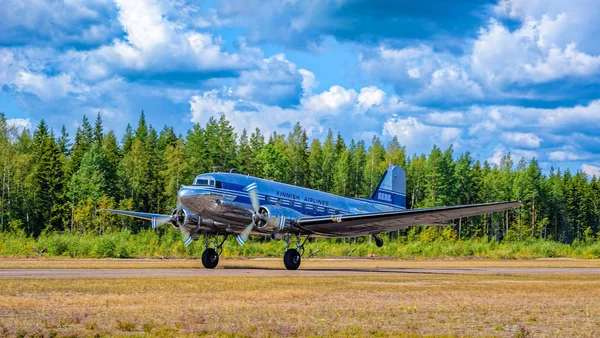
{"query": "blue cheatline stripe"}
pixel 240 239
pixel 251 186
pixel 188 241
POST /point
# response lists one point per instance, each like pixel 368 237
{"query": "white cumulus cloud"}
pixel 590 169
pixel 19 123
pixel 414 134
pixel 524 140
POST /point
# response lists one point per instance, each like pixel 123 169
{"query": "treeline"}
pixel 54 184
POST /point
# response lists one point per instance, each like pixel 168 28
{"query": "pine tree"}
pixel 257 142
pixel 315 165
pixel 195 151
pixel 358 160
pixel 395 153
pixel 244 155
pixel 166 139
pixel 436 185
pixel 341 178
pixel 556 203
pixel 226 145
pixel 174 173
pixel 141 133
pixel 112 156
pixel 211 134
pixel 127 139
pixel 98 129
pixel 49 210
pixel 83 142
pixel 6 156
pixel 89 181
pixel 329 161
pixel 64 144
pixel 275 163
pixel 416 182
pixel 375 166
pixel 298 154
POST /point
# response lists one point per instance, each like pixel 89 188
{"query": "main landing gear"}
pixel 293 257
pixel 210 256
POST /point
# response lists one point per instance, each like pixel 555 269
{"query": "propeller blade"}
pixel 252 191
pixel 243 237
pixel 187 238
pixel 158 221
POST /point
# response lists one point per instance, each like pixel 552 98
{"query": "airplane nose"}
pixel 186 195
pixel 192 199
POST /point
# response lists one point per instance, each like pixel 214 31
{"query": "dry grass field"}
pixel 374 304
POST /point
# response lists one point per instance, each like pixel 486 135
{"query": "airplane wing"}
pixel 373 223
pixel 157 219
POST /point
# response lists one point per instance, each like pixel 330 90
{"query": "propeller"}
pixel 252 191
pixel 187 238
pixel 178 217
pixel 158 221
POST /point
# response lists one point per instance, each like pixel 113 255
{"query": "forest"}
pixel 54 184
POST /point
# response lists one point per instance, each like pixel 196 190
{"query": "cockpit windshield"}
pixel 204 181
pixel 201 181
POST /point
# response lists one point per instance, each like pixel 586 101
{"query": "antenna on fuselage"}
pixel 215 167
pixel 232 170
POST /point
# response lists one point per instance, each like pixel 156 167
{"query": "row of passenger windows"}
pixel 219 185
pixel 302 205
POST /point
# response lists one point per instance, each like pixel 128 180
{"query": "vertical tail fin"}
pixel 392 187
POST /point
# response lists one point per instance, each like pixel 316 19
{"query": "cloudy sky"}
pixel 489 76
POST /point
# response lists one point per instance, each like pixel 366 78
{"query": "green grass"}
pixel 168 243
pixel 371 305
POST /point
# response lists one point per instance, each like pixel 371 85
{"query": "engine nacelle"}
pixel 182 217
pixel 276 218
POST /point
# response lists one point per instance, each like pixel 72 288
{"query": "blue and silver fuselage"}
pixel 223 197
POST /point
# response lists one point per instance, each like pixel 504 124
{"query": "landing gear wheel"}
pixel 292 259
pixel 210 258
pixel 378 241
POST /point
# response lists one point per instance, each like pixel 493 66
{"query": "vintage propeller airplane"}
pixel 223 204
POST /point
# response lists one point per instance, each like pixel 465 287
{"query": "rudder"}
pixel 392 187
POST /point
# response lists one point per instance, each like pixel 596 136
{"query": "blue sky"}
pixel 488 77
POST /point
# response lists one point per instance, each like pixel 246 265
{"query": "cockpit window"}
pixel 205 181
pixel 201 181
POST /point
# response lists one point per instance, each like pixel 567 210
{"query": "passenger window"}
pixel 219 185
pixel 211 182
pixel 303 205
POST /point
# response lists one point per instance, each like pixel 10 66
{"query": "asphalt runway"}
pixel 147 273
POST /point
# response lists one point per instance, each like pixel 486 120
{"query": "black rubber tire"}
pixel 210 258
pixel 292 259
pixel 378 242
